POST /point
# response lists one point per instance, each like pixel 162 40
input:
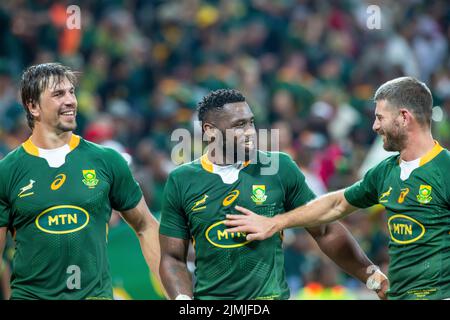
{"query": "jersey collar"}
pixel 431 154
pixel 207 165
pixel 30 148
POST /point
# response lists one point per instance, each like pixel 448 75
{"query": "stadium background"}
pixel 308 68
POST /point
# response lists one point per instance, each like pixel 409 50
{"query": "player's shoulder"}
pixel 265 157
pixel 95 149
pixel 187 170
pixel 443 161
pixel 444 155
pixel 12 159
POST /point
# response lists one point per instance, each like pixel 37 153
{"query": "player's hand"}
pixel 379 283
pixel 382 293
pixel 255 226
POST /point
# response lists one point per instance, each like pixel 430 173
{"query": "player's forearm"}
pixel 150 249
pixel 176 277
pixel 3 231
pixel 148 234
pixel 340 246
pixel 327 208
pixel 4 279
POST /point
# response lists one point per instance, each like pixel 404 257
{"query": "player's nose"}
pixel 70 100
pixel 376 125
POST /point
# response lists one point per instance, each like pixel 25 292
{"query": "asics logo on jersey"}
pixel 59 181
pixel 402 195
pixel 26 188
pixel 199 204
pixel 385 195
pixel 229 199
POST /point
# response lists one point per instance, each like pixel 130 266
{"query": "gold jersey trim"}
pixel 431 154
pixel 207 165
pixel 31 148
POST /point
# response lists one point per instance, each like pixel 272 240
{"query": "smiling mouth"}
pixel 70 113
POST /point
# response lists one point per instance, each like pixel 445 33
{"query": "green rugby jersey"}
pixel 418 213
pixel 195 203
pixel 59 218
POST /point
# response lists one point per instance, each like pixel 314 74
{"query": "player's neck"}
pixel 45 139
pixel 417 146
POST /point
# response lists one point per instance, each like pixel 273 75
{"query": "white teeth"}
pixel 68 113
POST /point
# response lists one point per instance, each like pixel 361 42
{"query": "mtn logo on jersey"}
pixel 23 190
pixel 217 235
pixel 62 219
pixel 424 195
pixel 404 229
pixel 90 178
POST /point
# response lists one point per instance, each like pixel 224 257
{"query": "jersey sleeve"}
pixel 364 193
pixel 173 218
pixel 125 192
pixel 4 212
pixel 297 192
pixel 4 206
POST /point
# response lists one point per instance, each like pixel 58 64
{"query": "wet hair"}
pixel 215 100
pixel 409 93
pixel 35 79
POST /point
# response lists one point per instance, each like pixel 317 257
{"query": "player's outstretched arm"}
pixel 3 231
pixel 327 208
pixel 339 245
pixel 147 229
pixel 173 268
pixel 4 271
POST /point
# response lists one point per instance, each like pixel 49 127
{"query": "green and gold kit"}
pixel 418 213
pixel 197 197
pixel 59 218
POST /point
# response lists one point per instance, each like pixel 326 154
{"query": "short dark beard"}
pixel 397 141
pixel 63 128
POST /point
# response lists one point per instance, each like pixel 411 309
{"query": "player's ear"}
pixel 209 130
pixel 34 109
pixel 406 116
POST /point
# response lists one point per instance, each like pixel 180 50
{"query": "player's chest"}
pixel 414 206
pixel 58 194
pixel 206 203
pixel 421 191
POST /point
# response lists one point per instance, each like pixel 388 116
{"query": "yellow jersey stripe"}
pixel 206 164
pixel 74 141
pixel 431 154
pixel 30 148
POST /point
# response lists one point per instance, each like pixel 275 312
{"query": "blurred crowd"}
pixel 307 67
